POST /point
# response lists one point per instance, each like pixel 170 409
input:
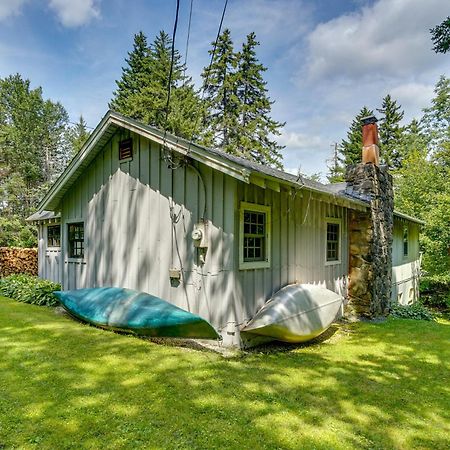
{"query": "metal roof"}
pixel 341 188
pixel 42 216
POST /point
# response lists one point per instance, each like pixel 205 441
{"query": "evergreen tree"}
pixel 390 133
pixel 336 169
pixel 143 89
pixel 351 148
pixel 256 127
pixel 221 101
pixel 78 135
pixel 134 77
pixel 33 152
pixel 437 117
pixel 440 35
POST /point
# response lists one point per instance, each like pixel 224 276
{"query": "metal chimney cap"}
pixel 369 119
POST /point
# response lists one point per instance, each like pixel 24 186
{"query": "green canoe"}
pixel 136 312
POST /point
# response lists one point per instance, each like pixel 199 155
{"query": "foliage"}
pixel 221 100
pixel 440 35
pixel 237 104
pixel 391 133
pixel 415 311
pixel 421 185
pixel 78 135
pixel 143 88
pixel 66 385
pixel 256 127
pixel 33 152
pixel 435 291
pixel 351 148
pixel 15 233
pixel 29 289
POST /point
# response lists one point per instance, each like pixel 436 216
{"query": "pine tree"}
pixel 143 89
pixel 390 133
pixel 134 77
pixel 351 148
pixel 440 35
pixel 256 127
pixel 78 135
pixel 221 101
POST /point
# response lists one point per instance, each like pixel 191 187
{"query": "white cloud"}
pixel 74 13
pixel 10 8
pixel 390 36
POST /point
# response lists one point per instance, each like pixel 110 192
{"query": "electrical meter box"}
pixel 200 234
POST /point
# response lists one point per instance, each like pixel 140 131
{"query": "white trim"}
pixel 245 265
pixel 339 222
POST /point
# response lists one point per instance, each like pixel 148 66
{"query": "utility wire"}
pixel 213 54
pixel 172 59
pixel 208 70
pixel 188 36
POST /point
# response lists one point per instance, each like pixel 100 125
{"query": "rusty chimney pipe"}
pixel 370 150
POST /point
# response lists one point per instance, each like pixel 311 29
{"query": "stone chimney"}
pixel 370 232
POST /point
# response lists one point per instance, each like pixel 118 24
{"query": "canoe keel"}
pixel 136 312
pixel 296 313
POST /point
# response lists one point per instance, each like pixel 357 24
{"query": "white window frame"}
pixel 254 207
pixel 338 222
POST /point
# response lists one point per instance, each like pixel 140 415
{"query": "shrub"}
pixel 29 289
pixel 415 311
pixel 435 291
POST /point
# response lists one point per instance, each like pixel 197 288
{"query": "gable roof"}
pixel 235 166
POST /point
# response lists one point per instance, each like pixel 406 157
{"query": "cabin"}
pixel 212 233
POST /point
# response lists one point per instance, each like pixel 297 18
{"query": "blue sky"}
pixel 325 58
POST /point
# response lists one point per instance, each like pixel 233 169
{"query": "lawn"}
pixel 68 385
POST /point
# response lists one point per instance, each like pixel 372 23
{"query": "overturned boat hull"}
pixel 296 313
pixel 136 312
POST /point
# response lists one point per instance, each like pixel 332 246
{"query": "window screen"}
pixel 254 236
pixel 76 240
pixel 54 236
pixel 333 242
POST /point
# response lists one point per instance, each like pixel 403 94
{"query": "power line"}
pixel 172 59
pixel 188 36
pixel 213 54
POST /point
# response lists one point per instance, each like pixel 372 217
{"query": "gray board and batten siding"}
pixel 130 240
pixel 139 214
pixel 138 217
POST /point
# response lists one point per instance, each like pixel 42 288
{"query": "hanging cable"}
pixel 213 54
pixel 187 39
pixel 172 59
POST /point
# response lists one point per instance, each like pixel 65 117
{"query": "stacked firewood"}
pixel 18 260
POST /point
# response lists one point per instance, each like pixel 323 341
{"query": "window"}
pixel 405 241
pixel 53 236
pixel 126 149
pixel 76 240
pixel 254 252
pixel 333 241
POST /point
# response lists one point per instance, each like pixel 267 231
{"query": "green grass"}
pixel 68 385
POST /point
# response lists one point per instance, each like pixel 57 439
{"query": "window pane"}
pixel 333 241
pixel 254 236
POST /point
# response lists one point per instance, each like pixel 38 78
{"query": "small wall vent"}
pixel 126 149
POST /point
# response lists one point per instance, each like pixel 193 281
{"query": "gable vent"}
pixel 126 149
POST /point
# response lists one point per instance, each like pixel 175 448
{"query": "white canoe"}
pixel 296 313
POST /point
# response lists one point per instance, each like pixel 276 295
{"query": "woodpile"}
pixel 18 260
